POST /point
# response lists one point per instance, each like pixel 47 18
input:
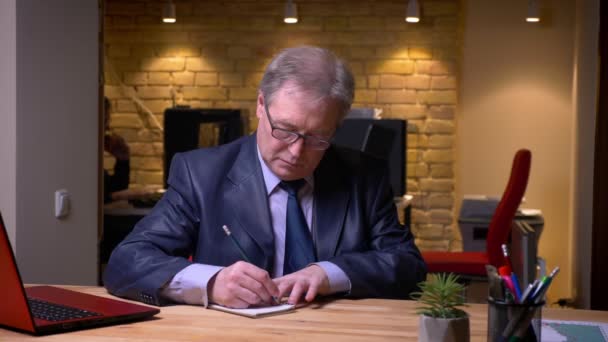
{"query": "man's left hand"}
pixel 307 282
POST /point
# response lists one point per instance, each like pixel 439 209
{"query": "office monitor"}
pixel 188 129
pixel 382 138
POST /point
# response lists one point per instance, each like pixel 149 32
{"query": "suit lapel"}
pixel 331 201
pixel 248 198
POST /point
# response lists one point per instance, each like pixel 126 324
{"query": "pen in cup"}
pixel 533 299
pixel 242 252
pixel 516 285
pixel 543 286
pixel 507 269
pixel 528 292
pixel 511 287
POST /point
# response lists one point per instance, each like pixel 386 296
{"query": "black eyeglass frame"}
pixel 290 137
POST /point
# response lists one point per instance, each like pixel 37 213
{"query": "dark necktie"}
pixel 299 248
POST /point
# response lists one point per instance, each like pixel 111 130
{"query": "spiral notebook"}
pixel 256 312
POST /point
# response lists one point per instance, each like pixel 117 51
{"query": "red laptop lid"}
pixel 14 311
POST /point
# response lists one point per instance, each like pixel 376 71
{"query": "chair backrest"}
pixel 501 223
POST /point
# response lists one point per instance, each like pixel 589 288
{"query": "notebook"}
pixel 256 312
pixel 42 310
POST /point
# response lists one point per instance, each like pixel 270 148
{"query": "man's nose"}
pixel 296 147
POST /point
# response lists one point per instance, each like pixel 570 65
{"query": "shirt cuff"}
pixel 189 286
pixel 338 280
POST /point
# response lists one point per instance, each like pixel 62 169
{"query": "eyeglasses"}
pixel 290 137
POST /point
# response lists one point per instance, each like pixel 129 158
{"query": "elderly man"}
pixel 310 219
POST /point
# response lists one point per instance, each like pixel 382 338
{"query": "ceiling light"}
pixel 412 15
pixel 533 13
pixel 291 13
pixel 169 12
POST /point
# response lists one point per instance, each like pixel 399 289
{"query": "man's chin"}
pixel 289 173
pixel 288 176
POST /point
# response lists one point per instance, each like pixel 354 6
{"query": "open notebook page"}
pixel 256 312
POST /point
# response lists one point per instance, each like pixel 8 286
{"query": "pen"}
pixel 509 285
pixel 236 243
pixel 543 286
pixel 528 291
pixel 520 317
pixel 506 269
pixel 516 285
pixel 242 251
pixel 540 288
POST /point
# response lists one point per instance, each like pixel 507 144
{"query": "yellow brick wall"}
pixel 215 54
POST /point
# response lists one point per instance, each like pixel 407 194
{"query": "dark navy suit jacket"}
pixel 355 224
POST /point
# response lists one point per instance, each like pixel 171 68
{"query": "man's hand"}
pixel 308 282
pixel 242 285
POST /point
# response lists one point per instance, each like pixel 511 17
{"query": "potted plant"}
pixel 441 319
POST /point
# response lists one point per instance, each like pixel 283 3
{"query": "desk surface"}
pixel 339 320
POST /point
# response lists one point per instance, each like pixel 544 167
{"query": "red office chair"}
pixel 472 264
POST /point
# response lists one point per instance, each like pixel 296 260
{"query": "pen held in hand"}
pixel 243 254
pixel 236 243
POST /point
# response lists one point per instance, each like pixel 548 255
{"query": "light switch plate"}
pixel 62 203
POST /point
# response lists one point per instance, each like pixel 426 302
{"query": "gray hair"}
pixel 312 69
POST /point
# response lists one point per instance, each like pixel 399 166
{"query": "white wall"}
pixel 516 92
pixel 57 139
pixel 585 108
pixel 8 115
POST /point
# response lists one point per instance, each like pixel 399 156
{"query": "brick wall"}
pixel 215 54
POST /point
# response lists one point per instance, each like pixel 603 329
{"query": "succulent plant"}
pixel 441 295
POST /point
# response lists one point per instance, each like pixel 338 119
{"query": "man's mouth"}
pixel 292 165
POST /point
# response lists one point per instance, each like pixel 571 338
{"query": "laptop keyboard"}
pixel 55 312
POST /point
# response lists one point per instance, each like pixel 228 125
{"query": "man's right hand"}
pixel 242 285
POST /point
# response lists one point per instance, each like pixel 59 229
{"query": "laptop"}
pixel 43 310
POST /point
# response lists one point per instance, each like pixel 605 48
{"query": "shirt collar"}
pixel 270 179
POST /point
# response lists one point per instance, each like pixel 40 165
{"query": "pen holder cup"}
pixel 507 320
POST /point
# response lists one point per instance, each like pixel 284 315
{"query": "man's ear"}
pixel 259 108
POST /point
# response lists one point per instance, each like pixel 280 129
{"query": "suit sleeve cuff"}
pixel 189 286
pixel 338 280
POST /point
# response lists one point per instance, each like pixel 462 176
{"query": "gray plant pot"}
pixel 444 329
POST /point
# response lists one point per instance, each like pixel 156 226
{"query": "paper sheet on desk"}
pixel 256 312
pixel 554 330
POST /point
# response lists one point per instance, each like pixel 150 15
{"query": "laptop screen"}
pixel 14 311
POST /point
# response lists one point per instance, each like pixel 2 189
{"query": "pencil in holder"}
pixel 513 321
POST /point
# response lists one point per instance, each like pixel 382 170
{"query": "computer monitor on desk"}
pixel 382 138
pixel 188 129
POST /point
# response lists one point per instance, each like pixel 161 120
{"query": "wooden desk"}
pixel 339 320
